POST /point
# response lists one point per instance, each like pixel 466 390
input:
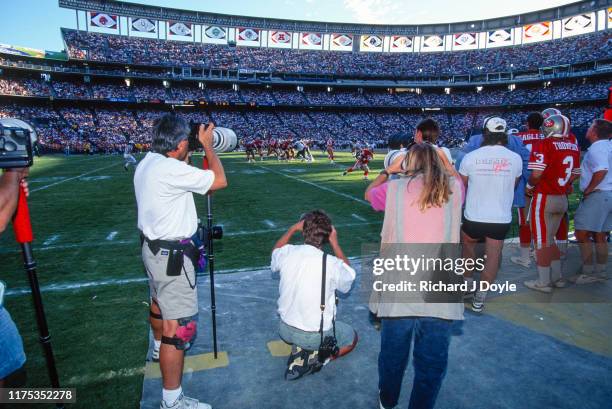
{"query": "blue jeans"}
pixel 12 356
pixel 430 356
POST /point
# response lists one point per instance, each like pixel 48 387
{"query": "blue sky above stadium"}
pixel 35 23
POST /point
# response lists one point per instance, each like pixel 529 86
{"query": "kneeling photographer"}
pixel 309 279
pixel 164 184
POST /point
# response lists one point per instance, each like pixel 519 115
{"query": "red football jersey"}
pixel 559 159
pixel 330 143
pixel 365 157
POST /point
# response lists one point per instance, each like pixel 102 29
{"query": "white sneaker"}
pixel 155 354
pixel 524 262
pixel 478 301
pixel 602 275
pixel 183 402
pixel 537 286
pixel 587 279
pixel 560 283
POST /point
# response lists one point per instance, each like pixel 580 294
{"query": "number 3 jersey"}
pixel 558 158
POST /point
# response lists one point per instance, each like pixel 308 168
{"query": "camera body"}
pixel 17 139
pixel 224 139
pixel 328 349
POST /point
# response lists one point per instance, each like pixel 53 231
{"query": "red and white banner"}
pixel 371 43
pixel 341 42
pixel 465 41
pixel 401 44
pixel 279 39
pixel 103 20
pixel 248 36
pixel 537 32
pixel 311 41
pixel 432 43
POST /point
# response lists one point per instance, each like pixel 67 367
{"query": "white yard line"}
pixel 117 281
pixel 111 236
pixel 72 178
pixel 356 216
pixel 51 240
pixel 327 189
pixel 270 223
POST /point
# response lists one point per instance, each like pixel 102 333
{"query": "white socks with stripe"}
pixel 170 396
pixel 544 275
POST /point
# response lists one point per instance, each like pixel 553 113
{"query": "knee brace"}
pixel 186 334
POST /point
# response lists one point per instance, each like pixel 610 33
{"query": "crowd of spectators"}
pixel 106 130
pixel 588 89
pixel 103 47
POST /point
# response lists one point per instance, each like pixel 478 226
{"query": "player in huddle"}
pixel 363 156
pixel 554 165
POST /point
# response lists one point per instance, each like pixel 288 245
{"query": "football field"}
pixel 86 246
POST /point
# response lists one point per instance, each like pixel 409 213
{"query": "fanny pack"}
pixel 176 252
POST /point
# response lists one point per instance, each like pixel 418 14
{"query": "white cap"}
pixel 495 124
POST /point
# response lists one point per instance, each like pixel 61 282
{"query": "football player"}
pixel 364 156
pixel 554 165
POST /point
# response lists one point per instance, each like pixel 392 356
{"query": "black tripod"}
pixel 23 233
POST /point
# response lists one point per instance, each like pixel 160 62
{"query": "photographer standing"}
pixel 167 217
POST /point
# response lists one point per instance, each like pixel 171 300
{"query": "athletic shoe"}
pixel 301 362
pixel 587 279
pixel 344 173
pixel 560 283
pixel 602 275
pixel 183 402
pixel 524 262
pixel 537 286
pixel 125 166
pixel 478 301
pixel 155 355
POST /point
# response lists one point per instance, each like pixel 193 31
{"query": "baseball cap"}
pixel 494 124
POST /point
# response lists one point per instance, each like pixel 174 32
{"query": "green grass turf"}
pixel 100 333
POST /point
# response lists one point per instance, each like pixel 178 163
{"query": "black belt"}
pixel 156 245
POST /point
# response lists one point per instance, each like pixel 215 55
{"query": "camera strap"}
pixel 323 281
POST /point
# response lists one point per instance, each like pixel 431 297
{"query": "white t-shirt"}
pixel 163 187
pixel 300 268
pixel 492 173
pixel 597 158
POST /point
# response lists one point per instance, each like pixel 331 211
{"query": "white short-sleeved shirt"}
pixel 164 187
pixel 300 268
pixel 597 158
pixel 492 172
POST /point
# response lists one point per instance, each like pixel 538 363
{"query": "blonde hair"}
pixel 422 159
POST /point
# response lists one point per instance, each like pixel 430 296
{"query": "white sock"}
pixel 555 270
pixel 587 269
pixel 544 275
pixel 525 253
pixel 156 344
pixel 600 268
pixel 170 396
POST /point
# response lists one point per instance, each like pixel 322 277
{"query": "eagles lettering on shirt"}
pixel 530 137
pixel 558 159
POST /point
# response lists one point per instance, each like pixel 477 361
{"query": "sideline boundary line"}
pixel 71 178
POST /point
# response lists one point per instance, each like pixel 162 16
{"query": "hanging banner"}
pixel 537 32
pixel 580 24
pixel 214 34
pixel 371 43
pixel 465 41
pixel 401 44
pixel 341 42
pixel 498 38
pixel 143 25
pixel 103 20
pixel 311 41
pixel 248 36
pixel 432 43
pixel 180 31
pixel 279 39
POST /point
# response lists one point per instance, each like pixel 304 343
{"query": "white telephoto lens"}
pixel 225 140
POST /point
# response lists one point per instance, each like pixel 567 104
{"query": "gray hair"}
pixel 168 131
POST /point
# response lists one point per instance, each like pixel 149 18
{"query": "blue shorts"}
pixel 12 356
